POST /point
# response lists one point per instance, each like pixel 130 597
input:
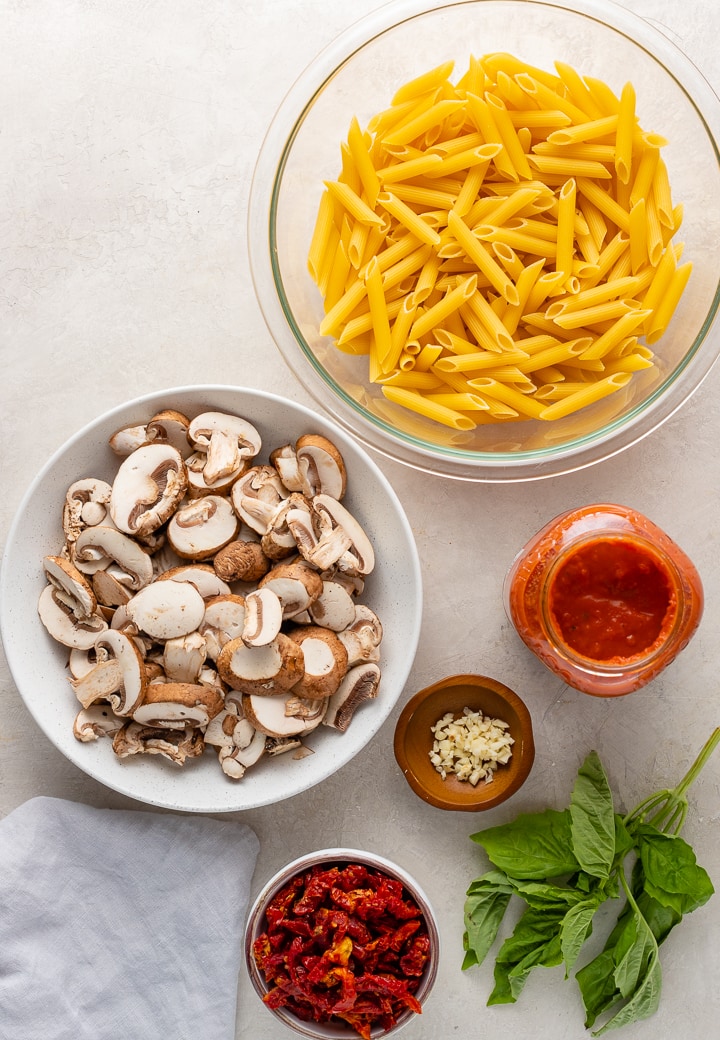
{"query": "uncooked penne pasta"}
pixel 500 249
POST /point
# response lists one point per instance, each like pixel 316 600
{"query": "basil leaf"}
pixel 576 927
pixel 593 818
pixel 672 875
pixel 485 906
pixel 644 1001
pixel 534 846
pixel 632 954
pixel 596 980
pixel 534 942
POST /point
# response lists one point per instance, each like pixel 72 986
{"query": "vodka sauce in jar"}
pixel 604 598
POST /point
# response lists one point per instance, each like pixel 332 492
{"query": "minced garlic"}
pixel 470 747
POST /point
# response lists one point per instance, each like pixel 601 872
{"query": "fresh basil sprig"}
pixel 564 866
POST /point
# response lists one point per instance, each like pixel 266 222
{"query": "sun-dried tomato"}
pixel 344 943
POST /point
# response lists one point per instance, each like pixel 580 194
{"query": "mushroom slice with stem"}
pixel 285 716
pixel 228 442
pixel 278 542
pixel 247 747
pixel 86 505
pixel 256 496
pixel 166 609
pixel 63 625
pixel 286 463
pixel 321 465
pixel 360 684
pixel 295 584
pixel 334 608
pixel 133 684
pixel 73 589
pixel 326 662
pixel 263 617
pixel 359 558
pixel 320 541
pixel 270 669
pixel 201 527
pixel 362 638
pixel 224 619
pixel 184 657
pixel 176 745
pixel 178 705
pixel 101 544
pixel 148 487
pixel 170 427
pixel 96 721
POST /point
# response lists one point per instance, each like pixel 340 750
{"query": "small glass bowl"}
pixel 357 76
pixel 326 858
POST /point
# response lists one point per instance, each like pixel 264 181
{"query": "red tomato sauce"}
pixel 610 600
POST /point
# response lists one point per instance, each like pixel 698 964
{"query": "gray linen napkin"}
pixel 120 923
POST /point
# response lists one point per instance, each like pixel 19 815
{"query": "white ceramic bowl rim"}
pixel 37 664
pixel 615 436
pixel 255 925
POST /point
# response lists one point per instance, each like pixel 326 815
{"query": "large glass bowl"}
pixel 357 76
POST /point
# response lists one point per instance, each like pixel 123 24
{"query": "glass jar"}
pixel 604 598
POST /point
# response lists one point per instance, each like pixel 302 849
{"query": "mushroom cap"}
pixel 285 461
pixel 263 617
pixel 360 557
pixel 184 657
pixel 325 658
pixel 201 527
pixel 166 609
pixel 133 676
pixel 96 721
pixel 295 584
pixel 202 575
pixel 224 619
pixel 86 504
pixel 170 427
pixel 241 561
pixel 334 608
pixel 360 684
pixel 273 668
pixel 256 495
pixel 148 486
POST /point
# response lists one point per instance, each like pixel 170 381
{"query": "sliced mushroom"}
pixel 224 619
pixel 321 465
pixel 359 558
pixel 320 541
pixel 133 677
pixel 227 441
pixel 362 638
pixel 178 705
pixel 326 662
pixel 166 609
pixel 184 657
pixel 96 721
pixel 110 588
pixel 284 716
pixel 273 668
pixel 72 587
pixel 97 547
pixel 128 439
pixel 197 484
pixel 278 542
pixel 334 608
pixel 86 504
pixel 202 527
pixel 360 684
pixel 256 496
pixel 148 487
pixel 275 746
pixel 170 427
pixel 174 744
pixel 202 575
pixel 241 561
pixel 263 617
pixel 295 584
pixel 63 625
pixel 98 684
pixel 219 731
pixel 286 463
pixel 236 759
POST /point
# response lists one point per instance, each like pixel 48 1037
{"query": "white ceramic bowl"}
pixel 39 665
pixel 358 75
pixel 324 859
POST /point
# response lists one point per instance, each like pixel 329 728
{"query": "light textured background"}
pixel 128 135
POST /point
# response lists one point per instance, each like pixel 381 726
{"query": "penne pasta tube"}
pixel 625 133
pixel 508 135
pixel 478 360
pixel 587 395
pixel 424 83
pixel 606 311
pixel 321 235
pixel 461 402
pixel 663 313
pixel 577 90
pixel 418 126
pixel 522 403
pixel 638 232
pixel 588 130
pixel 412 380
pixel 604 202
pixel 419 404
pixel 410 220
pixel 565 227
pixel 555 355
pixel 353 203
pixel 363 163
pixel 452 301
pixel 481 256
pixel 556 164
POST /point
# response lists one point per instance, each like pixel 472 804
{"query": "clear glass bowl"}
pixel 357 76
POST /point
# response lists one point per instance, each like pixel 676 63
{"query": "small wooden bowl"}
pixel 414 740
